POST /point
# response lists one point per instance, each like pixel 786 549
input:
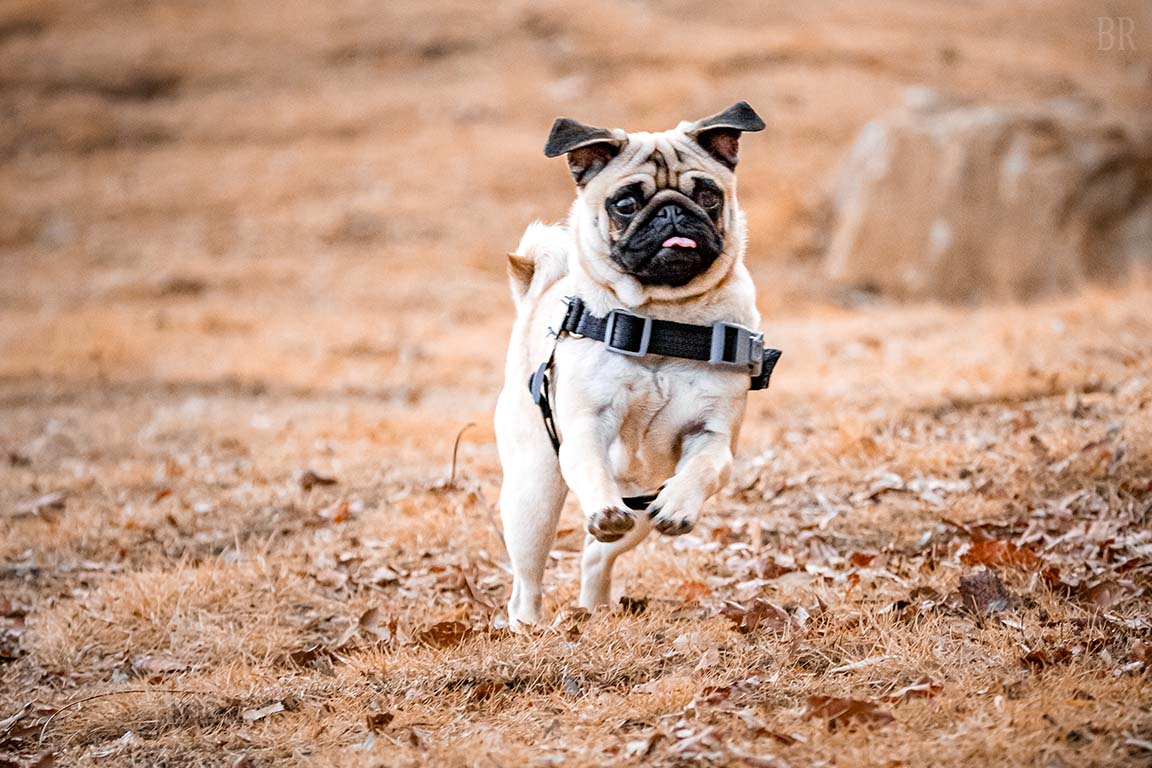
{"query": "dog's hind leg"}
pixel 599 557
pixel 531 497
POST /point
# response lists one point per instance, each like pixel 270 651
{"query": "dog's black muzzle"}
pixel 645 251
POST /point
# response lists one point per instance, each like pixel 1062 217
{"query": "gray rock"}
pixel 968 203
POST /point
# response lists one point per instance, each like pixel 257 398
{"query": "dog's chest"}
pixel 648 406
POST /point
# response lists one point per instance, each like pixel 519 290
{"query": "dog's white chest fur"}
pixel 652 404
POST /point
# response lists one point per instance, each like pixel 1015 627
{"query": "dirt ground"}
pixel 252 287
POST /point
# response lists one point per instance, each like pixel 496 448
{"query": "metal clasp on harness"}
pixel 645 334
pixel 747 350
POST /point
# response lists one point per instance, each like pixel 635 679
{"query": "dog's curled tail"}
pixel 539 261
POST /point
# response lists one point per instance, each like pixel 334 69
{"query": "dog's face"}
pixel 657 208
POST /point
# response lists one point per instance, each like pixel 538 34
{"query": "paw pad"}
pixel 610 524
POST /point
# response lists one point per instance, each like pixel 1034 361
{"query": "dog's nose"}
pixel 671 213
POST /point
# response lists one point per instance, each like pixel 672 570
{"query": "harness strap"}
pixel 725 345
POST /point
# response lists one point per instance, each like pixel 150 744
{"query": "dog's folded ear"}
pixel 589 149
pixel 719 134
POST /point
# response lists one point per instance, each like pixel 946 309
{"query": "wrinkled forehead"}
pixel 665 160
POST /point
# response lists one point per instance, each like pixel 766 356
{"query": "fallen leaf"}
pixel 253 715
pixel 1045 657
pixel 871 661
pixel 486 689
pixel 444 634
pixel 693 591
pixel 1103 594
pixel 370 622
pixel 378 721
pixel 993 553
pixel 569 621
pixel 768 567
pixel 924 688
pixel 43 760
pixel 838 711
pixel 633 606
pixel 475 593
pixel 307 657
pixel 983 593
pixel 759 613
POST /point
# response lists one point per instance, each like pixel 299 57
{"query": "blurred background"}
pixel 252 286
pixel 318 196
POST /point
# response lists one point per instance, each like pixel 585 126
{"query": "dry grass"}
pixel 192 559
pixel 238 243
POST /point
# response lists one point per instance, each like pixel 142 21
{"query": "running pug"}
pixel 655 229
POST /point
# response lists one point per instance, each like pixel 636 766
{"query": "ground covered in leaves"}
pixel 960 564
pixel 252 287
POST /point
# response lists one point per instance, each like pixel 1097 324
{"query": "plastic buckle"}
pixel 537 385
pixel 573 307
pixel 645 334
pixel 747 351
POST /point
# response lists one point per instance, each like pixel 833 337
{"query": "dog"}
pixel 651 258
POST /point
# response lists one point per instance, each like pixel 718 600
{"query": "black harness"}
pixel 723 345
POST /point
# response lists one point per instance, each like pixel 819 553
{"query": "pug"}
pixel 633 348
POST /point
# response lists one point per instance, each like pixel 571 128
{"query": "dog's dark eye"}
pixel 625 206
pixel 708 200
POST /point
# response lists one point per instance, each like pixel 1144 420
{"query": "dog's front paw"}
pixel 610 524
pixel 673 513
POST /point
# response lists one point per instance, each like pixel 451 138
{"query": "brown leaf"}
pixel 760 613
pixel 983 593
pixel 569 621
pixel 475 593
pixel 486 689
pixel 307 657
pixel 370 622
pixel 767 567
pixel 993 553
pixel 445 634
pixel 1103 594
pixel 861 559
pixel 693 591
pixel 839 711
pixel 309 480
pixel 1040 658
pixel 378 721
pixel 633 606
pixel 924 688
pixel 43 760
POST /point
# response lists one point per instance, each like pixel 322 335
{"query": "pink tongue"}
pixel 683 242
